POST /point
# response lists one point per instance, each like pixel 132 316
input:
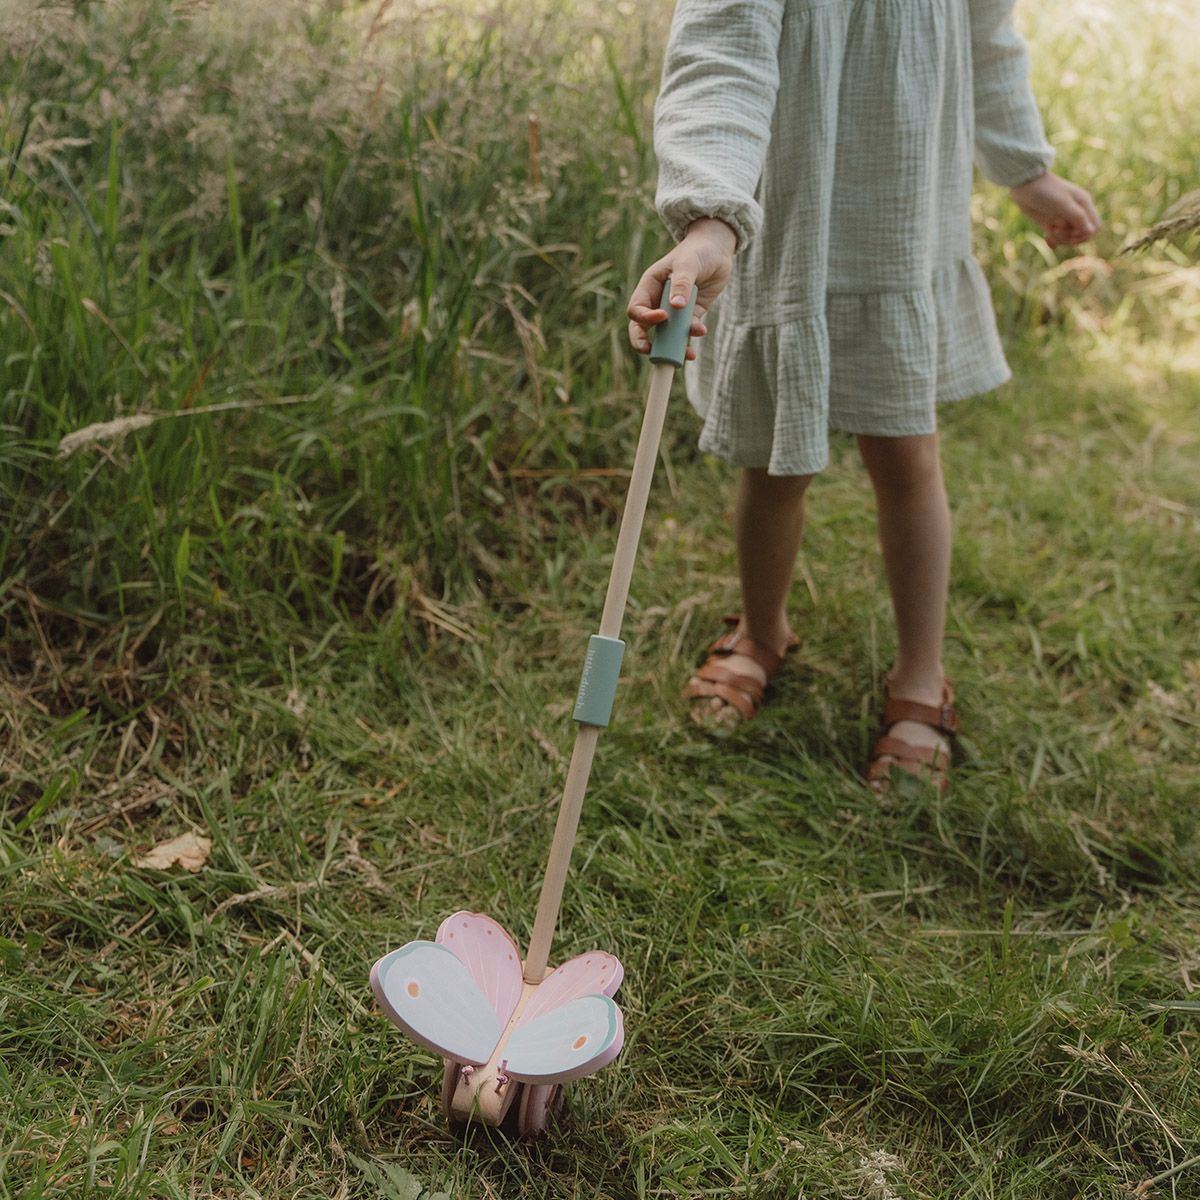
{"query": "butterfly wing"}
pixel 570 1027
pixel 432 996
pixel 565 1043
pixel 484 947
pixel 456 995
pixel 594 973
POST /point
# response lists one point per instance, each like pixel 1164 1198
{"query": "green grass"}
pixel 336 626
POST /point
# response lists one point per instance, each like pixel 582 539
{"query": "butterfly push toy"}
pixel 513 1031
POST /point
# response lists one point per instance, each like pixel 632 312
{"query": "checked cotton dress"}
pixel 838 138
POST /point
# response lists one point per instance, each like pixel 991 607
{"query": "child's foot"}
pixel 734 676
pixel 916 740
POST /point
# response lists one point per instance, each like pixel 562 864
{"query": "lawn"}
pixel 327 301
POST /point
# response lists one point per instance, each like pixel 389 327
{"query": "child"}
pixel 816 168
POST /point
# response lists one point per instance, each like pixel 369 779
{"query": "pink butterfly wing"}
pixel 484 947
pixel 592 974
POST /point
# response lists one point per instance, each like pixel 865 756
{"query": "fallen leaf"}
pixel 188 850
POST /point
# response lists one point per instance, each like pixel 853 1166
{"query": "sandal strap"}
pixel 943 718
pixel 740 643
pixel 933 757
pixel 715 671
pixel 745 704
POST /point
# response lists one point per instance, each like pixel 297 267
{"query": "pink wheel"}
pixel 540 1106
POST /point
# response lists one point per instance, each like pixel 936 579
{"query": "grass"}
pixel 327 608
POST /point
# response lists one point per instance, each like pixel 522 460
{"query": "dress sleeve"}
pixel 1010 145
pixel 712 120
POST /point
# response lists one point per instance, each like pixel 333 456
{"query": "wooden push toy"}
pixel 507 1028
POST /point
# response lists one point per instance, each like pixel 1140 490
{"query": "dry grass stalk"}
pixel 103 431
pixel 1165 231
pixel 355 861
pixel 267 892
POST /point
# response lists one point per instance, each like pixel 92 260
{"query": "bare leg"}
pixel 769 526
pixel 914 532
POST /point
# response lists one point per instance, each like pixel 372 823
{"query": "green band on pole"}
pixel 671 338
pixel 598 687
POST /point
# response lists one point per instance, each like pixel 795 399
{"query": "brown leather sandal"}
pixel 930 763
pixel 717 678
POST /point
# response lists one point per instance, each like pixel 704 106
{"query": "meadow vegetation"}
pixel 315 413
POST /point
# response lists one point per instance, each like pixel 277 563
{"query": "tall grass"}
pixel 369 213
pixel 395 243
pixel 300 264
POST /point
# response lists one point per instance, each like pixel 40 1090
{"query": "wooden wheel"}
pixel 450 1079
pixel 540 1106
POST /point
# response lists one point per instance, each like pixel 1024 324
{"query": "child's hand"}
pixel 704 258
pixel 1064 210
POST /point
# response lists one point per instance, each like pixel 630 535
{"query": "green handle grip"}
pixel 671 338
pixel 598 687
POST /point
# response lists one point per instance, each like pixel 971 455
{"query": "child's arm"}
pixel 712 118
pixel 1010 145
pixel 712 123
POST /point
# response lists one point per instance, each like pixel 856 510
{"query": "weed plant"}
pixel 315 410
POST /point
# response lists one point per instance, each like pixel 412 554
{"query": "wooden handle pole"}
pixel 635 501
pixel 610 626
pixel 550 900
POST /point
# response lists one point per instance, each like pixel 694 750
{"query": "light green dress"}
pixel 837 137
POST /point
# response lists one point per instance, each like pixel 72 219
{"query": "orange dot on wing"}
pixel 580 1042
pixel 413 989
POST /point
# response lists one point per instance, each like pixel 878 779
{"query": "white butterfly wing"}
pixel 566 1042
pixel 434 998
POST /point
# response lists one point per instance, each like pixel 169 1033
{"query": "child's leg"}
pixel 769 525
pixel 914 532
